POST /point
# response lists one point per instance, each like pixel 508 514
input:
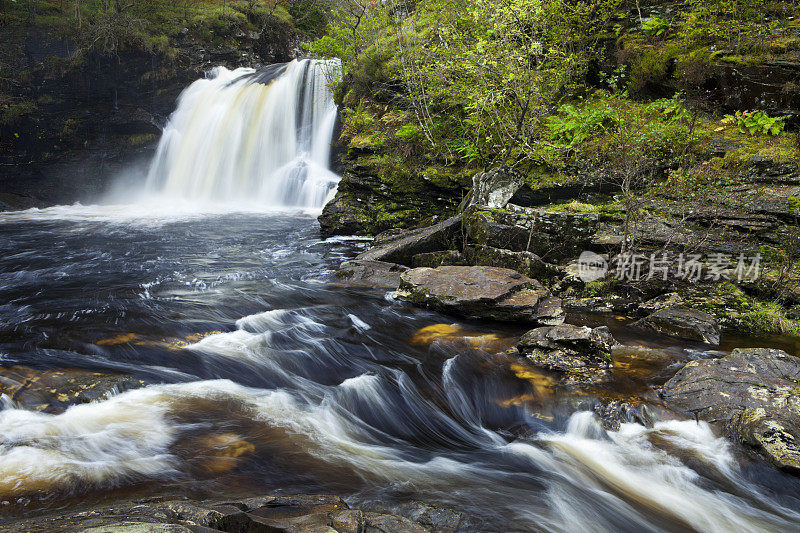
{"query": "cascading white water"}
pixel 255 137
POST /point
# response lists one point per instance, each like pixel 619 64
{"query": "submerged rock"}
pixel 481 292
pixel 455 333
pixel 683 322
pixel 581 350
pixel 52 391
pixel 754 393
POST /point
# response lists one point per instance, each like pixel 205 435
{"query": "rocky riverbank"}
pixel 499 261
pixel 295 513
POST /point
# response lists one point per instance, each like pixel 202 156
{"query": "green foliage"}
pixel 574 125
pixel 794 203
pixel 758 122
pixel 655 26
pixel 682 50
pixel 767 317
pixel 671 109
pixel 616 81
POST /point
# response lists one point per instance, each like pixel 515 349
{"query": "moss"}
pixel 738 311
pixel 14 111
pixel 767 317
pixel 602 287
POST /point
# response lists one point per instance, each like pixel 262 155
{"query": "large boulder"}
pixel 481 292
pixel 494 188
pixel 753 393
pixel 579 350
pixel 553 235
pixel 683 322
pixel 437 259
pixel 402 246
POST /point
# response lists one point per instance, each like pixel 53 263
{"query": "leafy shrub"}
pixel 758 122
pixel 573 125
pixel 655 26
pixel 671 109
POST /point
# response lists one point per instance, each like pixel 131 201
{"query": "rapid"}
pixel 257 371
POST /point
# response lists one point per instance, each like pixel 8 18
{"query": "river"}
pixel 265 374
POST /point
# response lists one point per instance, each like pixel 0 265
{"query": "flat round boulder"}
pixel 481 292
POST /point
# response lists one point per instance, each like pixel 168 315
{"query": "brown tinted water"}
pixel 263 376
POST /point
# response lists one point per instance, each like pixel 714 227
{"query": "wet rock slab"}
pixel 754 393
pixel 582 352
pixel 481 292
pixel 368 273
pixel 683 322
pixel 290 514
pixel 402 246
pixel 54 390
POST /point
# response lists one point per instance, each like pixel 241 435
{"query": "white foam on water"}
pixel 129 436
pixel 97 444
pixel 147 213
pixel 359 324
pixel 627 471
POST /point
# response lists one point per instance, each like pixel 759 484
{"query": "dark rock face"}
pixel 295 514
pixel 753 393
pixel 552 235
pixel 526 263
pixel 365 204
pixel 579 350
pixel 403 246
pixel 770 86
pixel 683 322
pixel 368 273
pixel 349 211
pixel 95 121
pixel 437 259
pixel 481 292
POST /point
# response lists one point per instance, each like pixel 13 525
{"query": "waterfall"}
pixel 256 137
